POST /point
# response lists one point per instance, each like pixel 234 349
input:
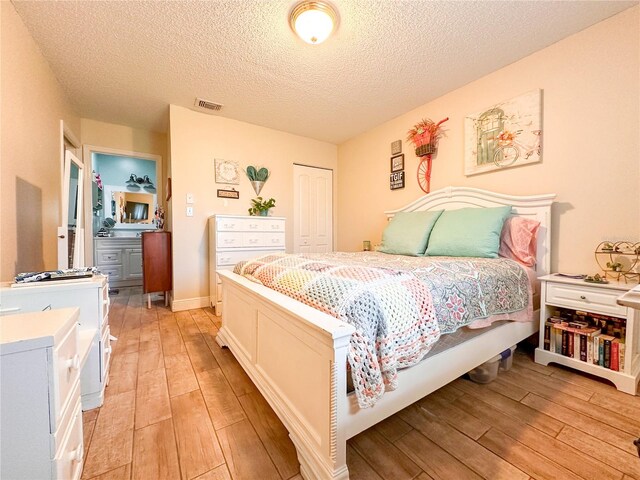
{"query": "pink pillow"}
pixel 518 240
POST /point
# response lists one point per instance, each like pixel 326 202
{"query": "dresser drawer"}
pixel 593 299
pixel 112 272
pixel 263 239
pixel 229 224
pixel 105 355
pixel 66 421
pixel 68 459
pixel 225 259
pixel 108 257
pixel 229 239
pixel 262 224
pixel 66 372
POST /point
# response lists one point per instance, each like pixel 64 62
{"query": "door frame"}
pixel 87 156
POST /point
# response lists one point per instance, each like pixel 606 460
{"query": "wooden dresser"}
pixel 234 238
pixel 40 411
pixel 156 264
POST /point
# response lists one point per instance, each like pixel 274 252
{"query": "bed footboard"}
pixel 297 357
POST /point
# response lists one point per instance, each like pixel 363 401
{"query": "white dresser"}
pixel 92 298
pixel 233 238
pixel 40 411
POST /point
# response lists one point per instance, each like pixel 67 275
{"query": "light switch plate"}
pixel 189 197
pixel 189 211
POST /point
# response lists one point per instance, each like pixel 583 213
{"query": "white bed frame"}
pixel 297 355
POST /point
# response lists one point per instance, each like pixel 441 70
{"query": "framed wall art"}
pixel 227 171
pixel 504 135
pixel 397 163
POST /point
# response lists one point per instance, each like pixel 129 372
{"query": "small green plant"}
pixel 615 266
pixel 257 175
pixel 260 206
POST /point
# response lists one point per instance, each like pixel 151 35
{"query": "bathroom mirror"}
pixel 127 207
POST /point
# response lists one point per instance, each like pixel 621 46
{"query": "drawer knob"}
pixel 582 297
pixel 74 362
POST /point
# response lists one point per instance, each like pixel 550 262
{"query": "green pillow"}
pixel 408 233
pixel 468 232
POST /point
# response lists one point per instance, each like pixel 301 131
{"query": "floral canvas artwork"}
pixel 508 134
pixel 227 171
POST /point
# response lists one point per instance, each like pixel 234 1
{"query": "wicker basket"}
pixel 427 149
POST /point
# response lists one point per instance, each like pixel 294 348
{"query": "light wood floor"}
pixel 180 407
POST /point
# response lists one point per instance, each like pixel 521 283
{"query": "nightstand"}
pixel 578 295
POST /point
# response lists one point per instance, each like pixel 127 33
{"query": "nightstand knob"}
pixel 582 297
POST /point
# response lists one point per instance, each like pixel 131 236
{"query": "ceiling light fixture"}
pixel 313 21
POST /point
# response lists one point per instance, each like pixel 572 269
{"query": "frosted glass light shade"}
pixel 313 21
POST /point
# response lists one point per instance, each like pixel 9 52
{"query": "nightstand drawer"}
pixel 593 299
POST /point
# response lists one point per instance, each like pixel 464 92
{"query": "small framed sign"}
pixel 397 163
pixel 233 193
pixel 396 180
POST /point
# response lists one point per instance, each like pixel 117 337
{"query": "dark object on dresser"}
pixel 156 264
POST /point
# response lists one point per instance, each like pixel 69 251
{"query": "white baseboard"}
pixel 189 303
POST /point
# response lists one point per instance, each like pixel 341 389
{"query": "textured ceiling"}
pixel 124 62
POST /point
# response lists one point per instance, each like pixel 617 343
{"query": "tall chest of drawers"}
pixel 92 298
pixel 234 238
pixel 40 412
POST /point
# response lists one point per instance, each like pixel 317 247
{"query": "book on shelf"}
pixel 591 338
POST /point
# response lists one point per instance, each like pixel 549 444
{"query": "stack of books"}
pixel 588 337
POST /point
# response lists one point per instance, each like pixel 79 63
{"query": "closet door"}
pixel 313 209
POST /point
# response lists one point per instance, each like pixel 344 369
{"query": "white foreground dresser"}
pixel 234 238
pixel 92 298
pixel 40 411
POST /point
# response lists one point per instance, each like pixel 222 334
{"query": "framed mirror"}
pixel 129 208
pixel 71 229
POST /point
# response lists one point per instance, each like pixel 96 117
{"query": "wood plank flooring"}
pixel 180 407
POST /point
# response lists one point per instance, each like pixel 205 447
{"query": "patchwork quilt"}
pixel 398 305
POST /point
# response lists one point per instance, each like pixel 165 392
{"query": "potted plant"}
pixel 607 246
pixel 615 266
pixel 261 207
pixel 257 177
pixel 424 135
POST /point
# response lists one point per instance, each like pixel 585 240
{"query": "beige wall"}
pixel 591 156
pixel 196 139
pixel 33 104
pixel 121 137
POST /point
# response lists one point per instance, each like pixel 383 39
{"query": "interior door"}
pixel 313 209
pixel 71 229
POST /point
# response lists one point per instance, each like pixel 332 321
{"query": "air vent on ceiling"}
pixel 207 105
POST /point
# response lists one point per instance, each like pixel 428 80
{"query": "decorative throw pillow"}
pixel 468 232
pixel 408 233
pixel 519 240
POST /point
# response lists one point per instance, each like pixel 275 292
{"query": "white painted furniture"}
pixel 576 294
pixel 40 414
pixel 234 238
pixel 92 297
pixel 120 258
pixel 297 356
